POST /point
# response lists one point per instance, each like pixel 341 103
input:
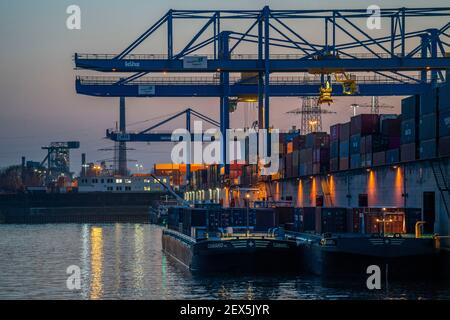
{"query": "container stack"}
pixel 218 218
pixel 444 120
pixel 364 136
pixel 319 142
pixel 249 175
pixel 334 147
pixel 238 217
pixel 213 175
pixel 284 217
pixel 308 219
pixel 428 128
pixel 410 129
pixel 264 219
pixel 344 146
pixel 390 129
pixel 332 220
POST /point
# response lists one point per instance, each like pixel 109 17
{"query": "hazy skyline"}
pixel 37 84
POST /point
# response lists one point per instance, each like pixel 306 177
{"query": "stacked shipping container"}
pixel 444 120
pixel 410 128
pixel 428 128
pixel 364 131
pixel 344 146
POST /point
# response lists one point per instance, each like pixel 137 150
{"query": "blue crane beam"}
pixel 147 137
pixel 216 90
pixel 254 65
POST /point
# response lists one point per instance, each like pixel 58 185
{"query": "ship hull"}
pixel 235 256
pixel 398 258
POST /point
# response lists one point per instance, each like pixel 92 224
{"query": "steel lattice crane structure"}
pixel 311 115
pixel 399 62
pixel 374 106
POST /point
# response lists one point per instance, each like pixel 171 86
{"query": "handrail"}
pixel 279 80
pixel 239 56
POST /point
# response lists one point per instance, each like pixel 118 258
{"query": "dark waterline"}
pixel 125 261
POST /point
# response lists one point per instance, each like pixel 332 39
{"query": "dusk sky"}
pixel 37 83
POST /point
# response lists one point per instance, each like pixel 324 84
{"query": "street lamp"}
pixel 247 196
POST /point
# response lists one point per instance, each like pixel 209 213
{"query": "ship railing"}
pixel 243 236
pixel 180 236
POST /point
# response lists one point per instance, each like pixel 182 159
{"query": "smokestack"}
pixel 83 164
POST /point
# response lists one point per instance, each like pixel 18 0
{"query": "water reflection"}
pixel 85 261
pixel 125 261
pixel 117 261
pixel 96 263
pixel 138 263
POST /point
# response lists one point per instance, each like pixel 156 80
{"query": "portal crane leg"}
pixel 122 144
pixel 224 53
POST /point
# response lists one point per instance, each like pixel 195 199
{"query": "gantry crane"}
pixel 392 69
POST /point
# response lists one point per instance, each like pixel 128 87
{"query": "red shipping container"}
pixel 364 124
pixel 393 142
pixel 344 163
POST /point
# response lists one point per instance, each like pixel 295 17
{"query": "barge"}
pixel 350 254
pixel 231 252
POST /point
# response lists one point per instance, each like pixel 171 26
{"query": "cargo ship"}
pixel 219 240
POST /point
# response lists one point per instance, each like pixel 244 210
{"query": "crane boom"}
pixel 179 199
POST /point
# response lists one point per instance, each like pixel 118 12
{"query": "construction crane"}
pixel 169 189
pixel 117 160
pixel 311 113
pixel 58 159
pixel 374 106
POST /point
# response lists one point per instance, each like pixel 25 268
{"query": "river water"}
pixel 125 261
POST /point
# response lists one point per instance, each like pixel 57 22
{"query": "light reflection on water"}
pixel 124 261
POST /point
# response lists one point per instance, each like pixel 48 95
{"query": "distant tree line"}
pixel 16 179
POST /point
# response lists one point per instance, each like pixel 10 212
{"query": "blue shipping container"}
pixel 355 144
pixel 355 161
pixel 444 97
pixel 344 149
pixel 444 123
pixel 427 149
pixel 392 156
pixel 410 107
pixel 427 127
pixel 408 134
pixel 428 102
pixel 334 149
